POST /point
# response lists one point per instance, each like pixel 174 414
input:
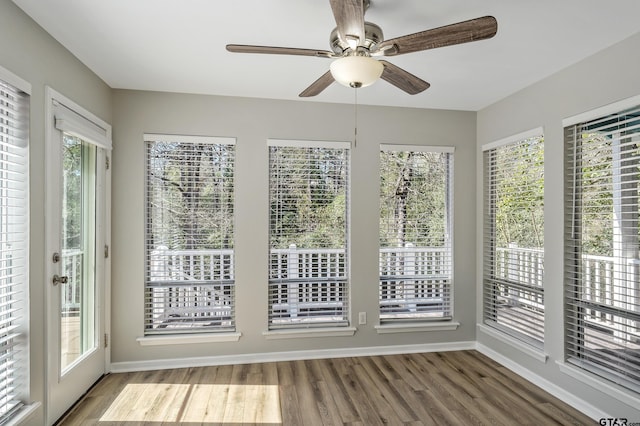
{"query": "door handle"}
pixel 57 279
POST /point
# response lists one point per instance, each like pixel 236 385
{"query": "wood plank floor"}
pixel 456 388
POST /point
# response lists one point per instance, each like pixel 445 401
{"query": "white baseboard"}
pixel 161 364
pixel 535 353
pixel 553 389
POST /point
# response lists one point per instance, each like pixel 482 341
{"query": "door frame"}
pixel 103 239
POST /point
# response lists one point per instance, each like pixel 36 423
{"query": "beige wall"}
pixel 30 53
pixel 604 78
pixel 252 122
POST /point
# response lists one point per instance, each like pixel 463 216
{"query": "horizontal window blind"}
pixel 602 262
pixel 14 225
pixel 189 240
pixel 513 241
pixel 308 262
pixel 416 219
pixel 73 124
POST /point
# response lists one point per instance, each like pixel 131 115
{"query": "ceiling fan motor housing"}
pixel 372 36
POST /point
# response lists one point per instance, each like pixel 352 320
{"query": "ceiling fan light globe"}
pixel 356 71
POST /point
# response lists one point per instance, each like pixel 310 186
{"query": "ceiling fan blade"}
pixel 449 35
pixel 349 16
pixel 402 79
pixel 271 50
pixel 318 86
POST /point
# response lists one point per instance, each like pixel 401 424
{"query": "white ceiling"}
pixel 179 45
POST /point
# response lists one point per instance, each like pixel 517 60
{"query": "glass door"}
pixel 77 289
pixel 76 221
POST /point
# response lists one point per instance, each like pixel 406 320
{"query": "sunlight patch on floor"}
pixel 165 402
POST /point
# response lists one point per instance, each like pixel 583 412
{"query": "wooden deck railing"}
pixel 415 283
pixel 525 268
pixel 304 284
pixel 72 261
pixel 190 288
pixel 307 285
pixel 184 280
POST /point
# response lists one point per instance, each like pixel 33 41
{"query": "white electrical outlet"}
pixel 362 318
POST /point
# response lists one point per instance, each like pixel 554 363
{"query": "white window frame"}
pixel 515 276
pixel 601 310
pixel 210 264
pixel 412 267
pixel 21 394
pixel 287 324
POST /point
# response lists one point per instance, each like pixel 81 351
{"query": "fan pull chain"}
pixel 355 123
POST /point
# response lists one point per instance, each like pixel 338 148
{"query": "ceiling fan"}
pixel 355 42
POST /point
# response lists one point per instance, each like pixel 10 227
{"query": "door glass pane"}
pixel 77 295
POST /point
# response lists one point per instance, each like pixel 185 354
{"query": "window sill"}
pixel 533 352
pixel 598 383
pixel 22 416
pixel 309 332
pixel 188 339
pixel 414 328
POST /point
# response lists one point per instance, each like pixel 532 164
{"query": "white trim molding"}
pixel 15 81
pixel 418 148
pixel 71 113
pixel 598 384
pixel 163 137
pixel 555 390
pixel 533 352
pixel 308 143
pixel 309 332
pixel 163 364
pixel 417 327
pixel 611 108
pixel 188 339
pixel 538 131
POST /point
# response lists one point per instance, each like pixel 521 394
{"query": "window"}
pixel 308 260
pixel 189 234
pixel 514 237
pixel 14 251
pixel 416 261
pixel 602 263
